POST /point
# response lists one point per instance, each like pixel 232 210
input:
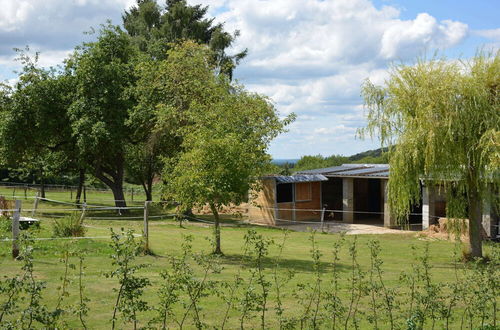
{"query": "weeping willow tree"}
pixel 441 122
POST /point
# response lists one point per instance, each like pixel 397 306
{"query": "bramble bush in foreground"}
pixel 255 295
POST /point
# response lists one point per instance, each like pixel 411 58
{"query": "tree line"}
pixel 151 99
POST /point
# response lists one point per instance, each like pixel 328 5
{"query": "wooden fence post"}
pixel 71 194
pixel 14 192
pixel 15 229
pixel 146 224
pixel 84 195
pixel 84 209
pixel 25 192
pixel 132 195
pixel 35 205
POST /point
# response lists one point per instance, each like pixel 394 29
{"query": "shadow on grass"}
pixel 297 265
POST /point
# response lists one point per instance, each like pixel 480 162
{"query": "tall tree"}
pixel 154 28
pixel 104 72
pixel 225 133
pixel 444 117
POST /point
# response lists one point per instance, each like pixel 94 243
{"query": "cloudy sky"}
pixel 309 56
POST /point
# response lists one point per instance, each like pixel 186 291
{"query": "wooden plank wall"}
pixel 262 206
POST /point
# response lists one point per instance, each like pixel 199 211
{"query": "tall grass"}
pixel 190 281
pixel 70 226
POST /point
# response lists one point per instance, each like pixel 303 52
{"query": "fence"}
pixel 25 188
pixel 85 209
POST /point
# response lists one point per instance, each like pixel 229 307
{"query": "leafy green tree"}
pixel 444 117
pixel 104 73
pixel 318 161
pixel 35 132
pixel 225 133
pixel 154 28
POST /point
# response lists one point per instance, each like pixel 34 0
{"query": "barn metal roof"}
pixel 300 178
pixel 352 170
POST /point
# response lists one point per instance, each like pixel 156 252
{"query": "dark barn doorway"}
pixel 368 201
pixel 331 194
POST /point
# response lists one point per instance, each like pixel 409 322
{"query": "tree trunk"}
pixel 149 193
pixel 148 189
pixel 119 196
pixel 42 186
pixel 81 182
pixel 475 224
pixel 217 249
pixel 475 221
pixel 115 184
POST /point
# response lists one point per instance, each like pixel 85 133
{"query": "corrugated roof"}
pixel 300 178
pixel 353 170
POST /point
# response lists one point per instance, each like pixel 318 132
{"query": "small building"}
pixel 288 198
pixel 351 193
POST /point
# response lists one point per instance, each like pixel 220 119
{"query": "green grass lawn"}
pixel 165 240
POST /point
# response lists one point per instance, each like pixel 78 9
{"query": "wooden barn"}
pixel 288 198
pixel 351 193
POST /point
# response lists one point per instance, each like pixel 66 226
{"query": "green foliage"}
pixel 69 226
pixel 5 226
pixel 34 130
pixel 225 131
pixel 377 156
pixel 193 283
pixel 154 29
pixel 318 161
pixel 129 294
pixel 444 117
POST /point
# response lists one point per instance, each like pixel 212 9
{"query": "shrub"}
pixel 71 226
pixel 5 226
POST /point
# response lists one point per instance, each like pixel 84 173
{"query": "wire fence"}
pixel 91 212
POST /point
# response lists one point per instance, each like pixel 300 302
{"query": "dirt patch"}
pixel 348 228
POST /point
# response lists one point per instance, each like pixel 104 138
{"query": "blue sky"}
pixel 309 56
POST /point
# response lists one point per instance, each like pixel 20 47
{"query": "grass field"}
pixel 166 237
pixel 104 197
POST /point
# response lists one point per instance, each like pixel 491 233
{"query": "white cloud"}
pixel 311 57
pixel 339 129
pixel 493 34
pixel 403 38
pixel 53 25
pixel 14 13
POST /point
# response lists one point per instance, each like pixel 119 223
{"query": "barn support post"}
pixel 15 229
pixel 276 211
pixel 486 217
pixel 35 204
pixel 348 200
pixel 428 206
pixel 323 220
pixel 389 219
pixel 146 225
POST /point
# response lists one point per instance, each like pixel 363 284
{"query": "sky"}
pixel 310 57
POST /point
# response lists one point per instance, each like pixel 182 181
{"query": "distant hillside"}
pixel 376 156
pixel 375 153
pixel 282 161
